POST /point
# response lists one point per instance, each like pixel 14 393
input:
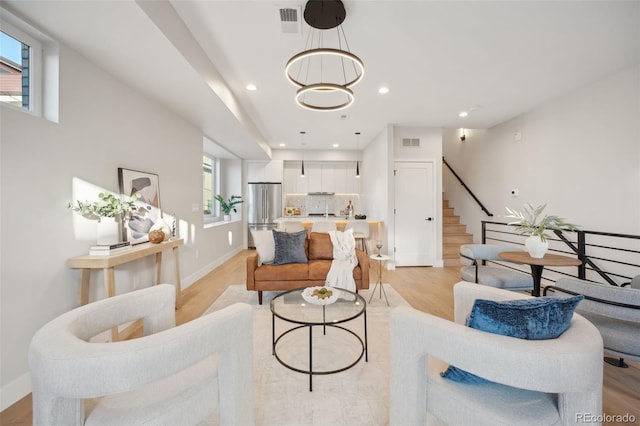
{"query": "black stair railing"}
pixel 607 257
pixel 464 185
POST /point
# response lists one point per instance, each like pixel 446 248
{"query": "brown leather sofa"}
pixel 319 250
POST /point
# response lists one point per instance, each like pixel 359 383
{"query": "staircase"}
pixel 454 234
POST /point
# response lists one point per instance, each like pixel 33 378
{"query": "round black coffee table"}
pixel 291 307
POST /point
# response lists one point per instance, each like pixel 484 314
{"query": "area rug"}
pixel 357 396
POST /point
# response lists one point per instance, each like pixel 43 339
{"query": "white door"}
pixel 414 218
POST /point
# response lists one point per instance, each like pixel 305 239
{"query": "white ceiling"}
pixel 438 58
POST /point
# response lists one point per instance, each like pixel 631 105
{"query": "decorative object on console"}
pixel 109 211
pixel 327 87
pixel 528 222
pixel 228 205
pixel 147 188
pixel 161 225
pixel 156 236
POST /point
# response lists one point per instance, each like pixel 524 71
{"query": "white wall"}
pixel 103 125
pixel 375 174
pixel 580 154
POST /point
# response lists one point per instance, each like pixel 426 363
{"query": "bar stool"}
pixel 323 226
pixel 360 232
pixel 292 226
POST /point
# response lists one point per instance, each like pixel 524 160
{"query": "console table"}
pixel 107 264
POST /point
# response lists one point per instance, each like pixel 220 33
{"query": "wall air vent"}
pixel 290 20
pixel 410 142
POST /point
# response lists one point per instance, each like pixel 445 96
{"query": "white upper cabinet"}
pixel 338 177
pixel 265 171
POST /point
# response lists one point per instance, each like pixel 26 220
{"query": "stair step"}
pixel 446 220
pixel 447 211
pixel 457 238
pixel 457 228
pixel 451 250
pixel 451 262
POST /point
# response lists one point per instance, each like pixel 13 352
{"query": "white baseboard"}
pixel 15 391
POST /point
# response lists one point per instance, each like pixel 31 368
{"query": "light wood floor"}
pixel 426 289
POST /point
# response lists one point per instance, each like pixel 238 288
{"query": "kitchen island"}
pixel 375 225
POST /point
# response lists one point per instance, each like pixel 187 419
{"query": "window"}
pixel 209 181
pixel 20 69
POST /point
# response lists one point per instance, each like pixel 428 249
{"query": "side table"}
pixel 379 258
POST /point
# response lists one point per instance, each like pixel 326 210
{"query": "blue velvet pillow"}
pixel 289 247
pixel 532 319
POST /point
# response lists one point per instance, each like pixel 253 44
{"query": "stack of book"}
pixel 108 250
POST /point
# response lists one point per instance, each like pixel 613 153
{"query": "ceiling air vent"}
pixel 290 20
pixel 410 142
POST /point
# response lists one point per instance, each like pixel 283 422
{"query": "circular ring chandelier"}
pixel 324 87
pixel 334 71
pixel 325 51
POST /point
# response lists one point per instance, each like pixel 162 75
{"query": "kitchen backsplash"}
pixel 309 204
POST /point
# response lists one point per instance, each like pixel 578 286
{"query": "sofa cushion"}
pixel 532 319
pixel 318 269
pixel 265 245
pixel 288 272
pixel 289 247
pixel 320 246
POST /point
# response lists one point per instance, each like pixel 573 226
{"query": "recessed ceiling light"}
pixel 383 90
pixel 283 144
pixel 251 87
pixel 336 145
pixel 463 114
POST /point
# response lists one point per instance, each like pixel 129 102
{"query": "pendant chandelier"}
pixel 357 161
pixel 324 75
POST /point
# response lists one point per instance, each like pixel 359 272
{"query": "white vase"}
pixel 536 247
pixel 108 231
pixel 227 218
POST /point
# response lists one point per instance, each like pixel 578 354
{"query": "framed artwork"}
pixel 147 186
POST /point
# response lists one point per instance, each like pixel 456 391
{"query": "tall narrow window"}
pixel 208 185
pixel 15 71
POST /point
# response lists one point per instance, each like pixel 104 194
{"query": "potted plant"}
pixel 530 222
pixel 109 211
pixel 228 205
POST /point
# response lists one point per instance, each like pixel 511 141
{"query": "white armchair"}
pixel 172 375
pixel 550 382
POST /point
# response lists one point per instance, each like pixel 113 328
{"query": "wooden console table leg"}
pixel 176 258
pixel 159 268
pixel 83 295
pixel 110 288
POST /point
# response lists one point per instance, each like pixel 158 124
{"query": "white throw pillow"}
pixel 265 245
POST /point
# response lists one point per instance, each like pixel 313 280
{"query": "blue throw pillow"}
pixel 532 319
pixel 289 247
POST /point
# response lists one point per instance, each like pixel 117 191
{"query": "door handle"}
pixel 429 219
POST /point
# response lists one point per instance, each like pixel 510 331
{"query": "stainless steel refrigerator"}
pixel 264 206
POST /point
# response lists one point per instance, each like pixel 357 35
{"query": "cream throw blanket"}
pixel 344 260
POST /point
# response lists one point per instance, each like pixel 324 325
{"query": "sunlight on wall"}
pixel 81 190
pixel 230 238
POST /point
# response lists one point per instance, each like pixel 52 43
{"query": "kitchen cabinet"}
pixel 328 178
pixel 293 183
pixel 265 171
pixel 336 177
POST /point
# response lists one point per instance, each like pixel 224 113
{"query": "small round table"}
pixel 538 264
pixel 379 258
pixel 291 307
